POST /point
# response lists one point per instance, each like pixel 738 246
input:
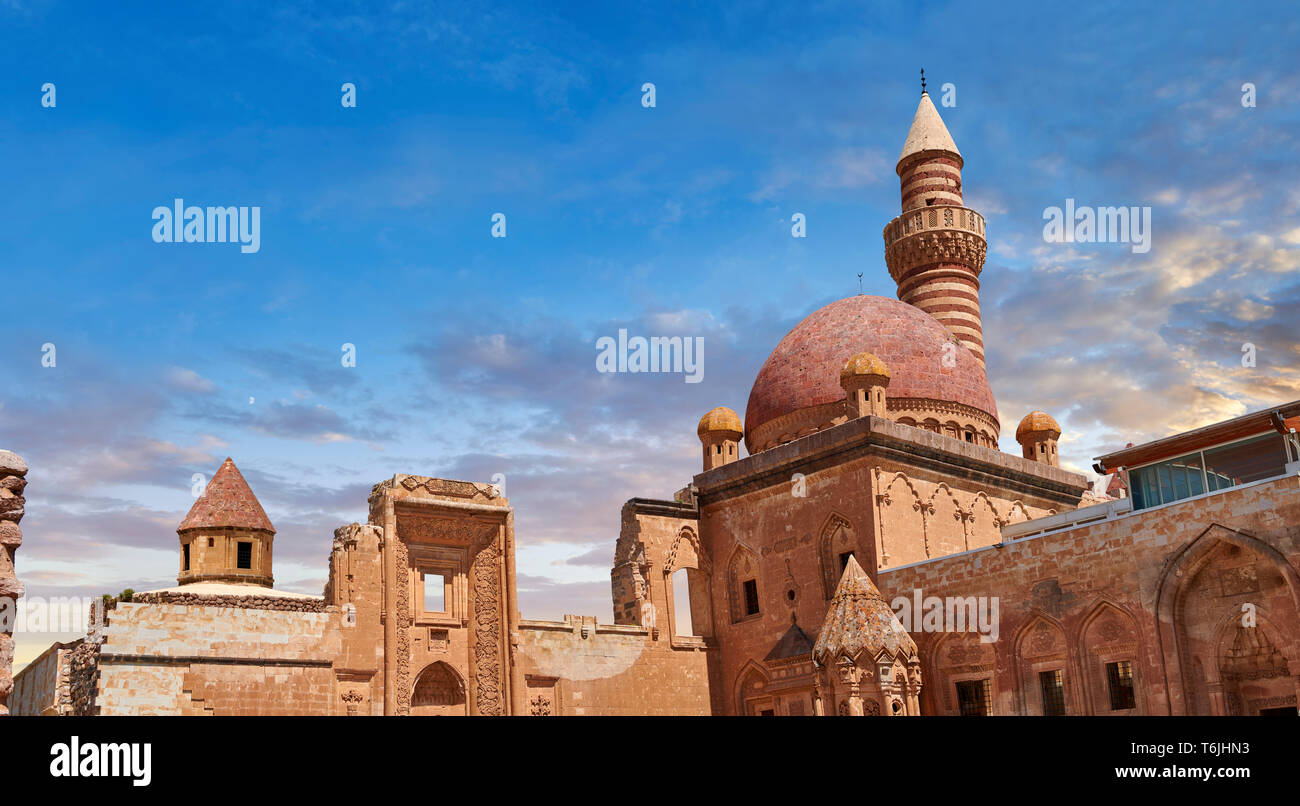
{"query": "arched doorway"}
pixel 439 691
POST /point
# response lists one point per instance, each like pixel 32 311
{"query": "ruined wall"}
pixel 578 667
pixel 220 658
pixel 13 472
pixel 640 579
pixel 356 587
pixel 41 688
pixel 1164 589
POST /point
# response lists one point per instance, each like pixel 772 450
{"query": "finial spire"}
pixel 859 282
pixel 923 81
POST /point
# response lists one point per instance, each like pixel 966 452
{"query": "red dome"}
pixel 804 369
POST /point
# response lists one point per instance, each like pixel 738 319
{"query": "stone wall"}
pixel 577 667
pixel 41 688
pixel 13 472
pixel 211 657
pixel 890 494
pixel 1166 589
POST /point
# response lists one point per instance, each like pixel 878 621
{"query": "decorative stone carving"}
pixel 487 631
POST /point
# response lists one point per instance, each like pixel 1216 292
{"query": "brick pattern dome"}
pixel 803 372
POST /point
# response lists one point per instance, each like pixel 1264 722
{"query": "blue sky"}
pixel 475 356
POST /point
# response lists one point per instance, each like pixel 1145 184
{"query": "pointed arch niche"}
pixel 1228 612
pixel 438 691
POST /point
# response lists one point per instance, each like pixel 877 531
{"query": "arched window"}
pixel 682 601
pixel 687 582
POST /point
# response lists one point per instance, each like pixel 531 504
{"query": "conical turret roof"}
pixel 227 501
pixel 928 132
pixel 858 621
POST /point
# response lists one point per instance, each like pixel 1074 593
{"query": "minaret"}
pixel 226 537
pixel 936 248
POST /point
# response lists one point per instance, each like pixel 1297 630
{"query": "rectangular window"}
pixel 1120 677
pixel 751 597
pixel 435 593
pixel 1208 471
pixel 975 697
pixel 185 550
pixel 244 555
pixel 1246 461
pixel 1053 685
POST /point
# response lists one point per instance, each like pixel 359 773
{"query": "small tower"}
pixel 864 380
pixel 1037 435
pixel 720 431
pixel 865 663
pixel 226 537
pixel 936 248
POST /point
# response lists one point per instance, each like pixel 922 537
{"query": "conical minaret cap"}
pixel 859 624
pixel 227 501
pixel 928 132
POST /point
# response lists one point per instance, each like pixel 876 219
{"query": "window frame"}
pixel 1110 685
pixel 749 590
pixel 239 548
pixel 1140 485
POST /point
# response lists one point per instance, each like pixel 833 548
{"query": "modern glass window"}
pixel 1053 685
pixel 1208 471
pixel 1119 676
pixel 1244 462
pixel 975 697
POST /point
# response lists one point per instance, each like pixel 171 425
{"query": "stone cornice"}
pixel 875 436
pixel 666 509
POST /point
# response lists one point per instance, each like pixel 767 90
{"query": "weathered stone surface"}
pixel 12 508
pixel 11 464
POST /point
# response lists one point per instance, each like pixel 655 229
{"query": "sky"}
pixel 475 356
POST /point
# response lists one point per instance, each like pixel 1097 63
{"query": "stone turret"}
pixel 226 537
pixel 936 248
pixel 866 663
pixel 864 379
pixel 720 432
pixel 13 473
pixel 1037 435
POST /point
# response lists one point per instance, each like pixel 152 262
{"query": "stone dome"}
pixel 1036 421
pixel 797 391
pixel 721 419
pixel 863 364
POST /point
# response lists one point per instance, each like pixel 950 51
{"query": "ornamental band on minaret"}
pixel 936 248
